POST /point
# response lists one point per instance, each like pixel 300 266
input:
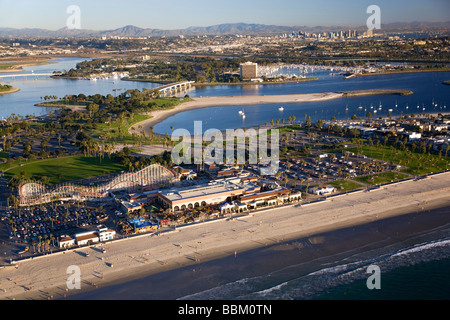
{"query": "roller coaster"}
pixel 154 176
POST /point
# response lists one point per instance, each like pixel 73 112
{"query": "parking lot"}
pixel 47 222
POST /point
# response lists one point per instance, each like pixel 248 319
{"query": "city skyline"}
pixel 101 15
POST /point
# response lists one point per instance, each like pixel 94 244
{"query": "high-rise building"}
pixel 249 70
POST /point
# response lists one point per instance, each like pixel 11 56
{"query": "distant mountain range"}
pixel 221 29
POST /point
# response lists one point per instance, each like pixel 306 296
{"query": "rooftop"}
pixel 201 190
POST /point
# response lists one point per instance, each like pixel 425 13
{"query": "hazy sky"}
pixel 175 14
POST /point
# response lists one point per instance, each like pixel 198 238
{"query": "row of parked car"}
pixel 29 223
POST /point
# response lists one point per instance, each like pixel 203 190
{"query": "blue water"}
pixel 31 90
pixel 414 270
pixel 427 88
pixel 422 281
pixel 407 272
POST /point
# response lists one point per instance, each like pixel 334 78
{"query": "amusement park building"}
pixel 154 176
pixel 213 193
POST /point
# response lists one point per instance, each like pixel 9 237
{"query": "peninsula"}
pixel 204 102
pixel 5 89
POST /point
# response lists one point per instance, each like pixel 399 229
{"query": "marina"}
pixel 422 84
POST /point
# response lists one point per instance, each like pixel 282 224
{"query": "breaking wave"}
pixel 289 284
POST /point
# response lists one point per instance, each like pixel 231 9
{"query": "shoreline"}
pixel 281 261
pixel 142 256
pixel 384 73
pixel 212 84
pixel 19 67
pixel 12 90
pixel 205 102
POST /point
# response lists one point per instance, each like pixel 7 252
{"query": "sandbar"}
pixel 205 102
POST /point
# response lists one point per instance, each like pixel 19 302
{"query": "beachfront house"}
pixel 102 234
pixel 105 234
pixel 87 238
pixel 66 241
pixel 323 190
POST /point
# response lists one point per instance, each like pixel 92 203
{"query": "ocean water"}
pixel 411 251
pixel 427 280
pixel 416 267
pixel 420 272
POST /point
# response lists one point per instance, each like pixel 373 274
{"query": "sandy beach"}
pixel 204 102
pixel 138 257
pixel 10 91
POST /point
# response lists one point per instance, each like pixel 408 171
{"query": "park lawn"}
pixel 166 102
pixel 60 170
pixel 111 131
pixel 416 162
pixel 5 66
pixel 381 178
pixel 345 185
pixel 288 127
pixel 4 88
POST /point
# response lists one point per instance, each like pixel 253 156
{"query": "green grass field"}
pixel 345 185
pixel 112 132
pixel 380 178
pixel 4 88
pixel 118 131
pixel 416 162
pixel 67 169
pixel 5 66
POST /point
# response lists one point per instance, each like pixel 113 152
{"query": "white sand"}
pixel 204 102
pixel 144 255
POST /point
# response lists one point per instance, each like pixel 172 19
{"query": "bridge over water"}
pixel 25 75
pixel 173 88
